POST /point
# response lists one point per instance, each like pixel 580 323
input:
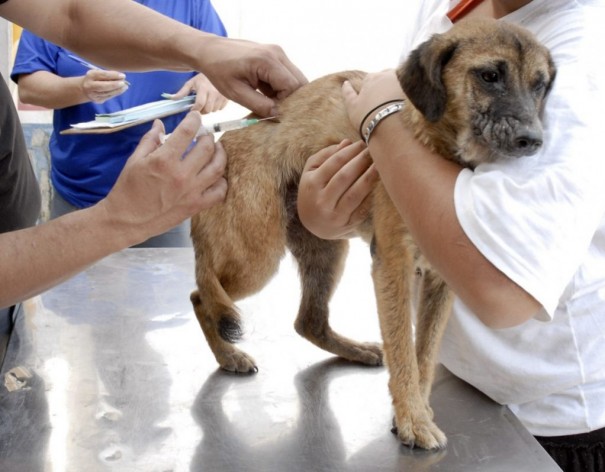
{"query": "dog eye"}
pixel 490 76
pixel 539 86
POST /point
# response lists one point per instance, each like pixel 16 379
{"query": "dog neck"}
pixel 440 137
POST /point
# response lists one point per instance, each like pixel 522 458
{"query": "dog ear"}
pixel 421 79
pixel 553 74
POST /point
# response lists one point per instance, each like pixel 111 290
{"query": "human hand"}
pixel 334 190
pixel 376 89
pixel 251 74
pixel 101 85
pixel 207 97
pixel 162 185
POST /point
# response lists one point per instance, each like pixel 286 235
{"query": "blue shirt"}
pixel 85 167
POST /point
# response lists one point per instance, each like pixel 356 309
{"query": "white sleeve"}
pixel 534 218
pixel 425 18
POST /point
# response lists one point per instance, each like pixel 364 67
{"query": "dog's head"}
pixel 484 82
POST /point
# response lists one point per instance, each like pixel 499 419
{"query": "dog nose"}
pixel 528 141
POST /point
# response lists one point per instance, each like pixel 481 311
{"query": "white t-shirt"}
pixel 541 221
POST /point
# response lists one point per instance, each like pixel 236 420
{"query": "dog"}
pixel 473 94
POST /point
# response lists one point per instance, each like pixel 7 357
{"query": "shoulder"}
pixel 570 30
pixel 33 54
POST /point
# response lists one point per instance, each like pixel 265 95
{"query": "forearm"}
pixel 43 256
pixel 126 36
pixel 141 38
pixel 421 184
pixel 45 89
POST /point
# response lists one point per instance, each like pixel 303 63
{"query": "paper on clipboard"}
pixel 117 121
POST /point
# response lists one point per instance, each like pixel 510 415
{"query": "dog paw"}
pixel 369 354
pixel 237 362
pixel 419 432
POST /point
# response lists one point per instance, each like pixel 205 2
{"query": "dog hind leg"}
pixel 320 265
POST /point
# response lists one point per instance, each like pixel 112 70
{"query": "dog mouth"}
pixel 484 146
pixel 508 138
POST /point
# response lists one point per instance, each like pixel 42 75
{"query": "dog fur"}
pixel 474 94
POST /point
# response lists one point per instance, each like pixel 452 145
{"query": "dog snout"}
pixel 527 141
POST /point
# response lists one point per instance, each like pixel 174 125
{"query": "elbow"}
pixel 25 97
pixel 25 94
pixel 506 308
pixel 498 302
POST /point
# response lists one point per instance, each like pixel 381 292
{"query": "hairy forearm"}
pixel 421 184
pixel 143 39
pixel 43 256
pixel 48 90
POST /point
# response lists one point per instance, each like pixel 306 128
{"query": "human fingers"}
pixel 271 75
pixel 355 200
pixel 149 142
pixel 251 74
pixel 166 183
pixel 324 154
pixel 376 89
pixel 333 191
pixel 330 161
pixel 184 91
pixel 204 158
pixel 184 134
pixel 211 178
pixel 348 176
pixel 99 86
pixel 282 80
pixel 209 100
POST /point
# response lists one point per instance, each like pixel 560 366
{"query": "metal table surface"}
pixel 111 372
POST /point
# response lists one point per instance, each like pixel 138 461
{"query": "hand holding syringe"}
pixel 224 126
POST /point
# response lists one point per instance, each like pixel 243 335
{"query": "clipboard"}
pixel 141 114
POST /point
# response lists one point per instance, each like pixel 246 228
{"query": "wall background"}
pixel 319 36
pixel 323 36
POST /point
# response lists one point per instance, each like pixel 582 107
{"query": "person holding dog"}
pixel 85 167
pixel 520 242
pixel 157 189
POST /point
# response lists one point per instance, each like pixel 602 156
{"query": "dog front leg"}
pixel 220 324
pixel 433 311
pixel 393 272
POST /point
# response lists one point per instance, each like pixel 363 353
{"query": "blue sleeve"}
pixel 34 54
pixel 207 19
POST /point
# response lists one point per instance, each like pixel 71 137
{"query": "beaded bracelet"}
pixel 381 115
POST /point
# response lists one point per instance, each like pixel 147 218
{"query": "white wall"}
pixel 322 36
pixel 319 36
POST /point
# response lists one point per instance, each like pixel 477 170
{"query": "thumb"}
pixel 348 93
pixel 150 140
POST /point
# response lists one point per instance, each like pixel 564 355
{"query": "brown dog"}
pixel 474 95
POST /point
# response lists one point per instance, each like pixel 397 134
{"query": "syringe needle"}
pixel 224 126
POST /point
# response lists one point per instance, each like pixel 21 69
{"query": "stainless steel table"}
pixel 111 372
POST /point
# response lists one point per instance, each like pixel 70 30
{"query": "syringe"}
pixel 225 126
